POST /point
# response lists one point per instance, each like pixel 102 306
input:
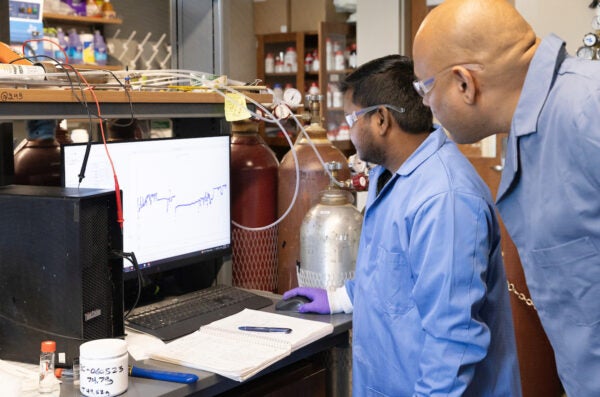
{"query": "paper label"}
pixel 235 107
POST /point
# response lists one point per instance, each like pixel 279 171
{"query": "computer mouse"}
pixel 292 304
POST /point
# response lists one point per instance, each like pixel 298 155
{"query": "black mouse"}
pixel 291 304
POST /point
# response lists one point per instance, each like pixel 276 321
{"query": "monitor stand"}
pixel 174 282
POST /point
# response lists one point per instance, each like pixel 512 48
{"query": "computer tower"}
pixel 7 165
pixel 58 279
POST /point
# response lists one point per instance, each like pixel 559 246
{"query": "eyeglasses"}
pixel 352 118
pixel 424 86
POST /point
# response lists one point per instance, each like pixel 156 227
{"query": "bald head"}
pixel 487 32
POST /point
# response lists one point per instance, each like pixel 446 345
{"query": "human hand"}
pixel 318 296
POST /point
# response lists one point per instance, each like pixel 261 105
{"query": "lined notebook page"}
pixel 220 347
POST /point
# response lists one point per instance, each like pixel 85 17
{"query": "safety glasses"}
pixel 423 87
pixel 352 118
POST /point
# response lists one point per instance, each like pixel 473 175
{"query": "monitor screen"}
pixel 176 196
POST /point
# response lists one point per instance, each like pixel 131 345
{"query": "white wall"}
pixel 569 21
pixel 378 28
pixel 379 31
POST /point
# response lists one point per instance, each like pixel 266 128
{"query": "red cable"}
pixel 120 219
pixel 53 42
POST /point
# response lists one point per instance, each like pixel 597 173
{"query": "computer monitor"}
pixel 176 196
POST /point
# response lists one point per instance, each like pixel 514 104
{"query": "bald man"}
pixel 483 71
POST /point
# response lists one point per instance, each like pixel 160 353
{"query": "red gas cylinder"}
pixel 37 162
pixel 254 205
pixel 313 179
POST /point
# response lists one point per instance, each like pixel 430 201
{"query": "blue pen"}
pixel 265 329
pixel 179 377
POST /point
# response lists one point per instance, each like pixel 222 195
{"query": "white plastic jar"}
pixel 103 367
pixel 79 135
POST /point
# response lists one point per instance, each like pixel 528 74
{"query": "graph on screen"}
pixel 176 193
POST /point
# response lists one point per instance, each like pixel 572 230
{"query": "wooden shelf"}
pixel 343 71
pixel 82 20
pixel 54 103
pixel 98 67
pixel 282 74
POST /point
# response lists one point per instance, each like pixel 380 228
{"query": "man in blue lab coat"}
pixel 495 76
pixel 431 312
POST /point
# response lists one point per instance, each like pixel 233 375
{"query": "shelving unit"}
pixel 277 43
pixel 304 43
pixel 342 34
pixel 78 22
pixel 60 18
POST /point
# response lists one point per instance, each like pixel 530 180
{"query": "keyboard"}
pixel 178 316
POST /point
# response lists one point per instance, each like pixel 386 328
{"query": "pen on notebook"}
pixel 179 377
pixel 265 329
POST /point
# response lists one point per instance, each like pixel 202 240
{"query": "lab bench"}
pixel 307 371
pixel 304 373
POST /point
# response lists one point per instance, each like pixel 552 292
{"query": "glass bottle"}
pixel 107 10
pixel 48 382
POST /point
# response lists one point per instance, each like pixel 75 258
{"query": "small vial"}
pixel 76 369
pixel 48 382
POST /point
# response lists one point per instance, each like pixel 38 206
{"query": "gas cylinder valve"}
pixel 358 182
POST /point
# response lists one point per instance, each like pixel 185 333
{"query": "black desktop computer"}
pixel 58 279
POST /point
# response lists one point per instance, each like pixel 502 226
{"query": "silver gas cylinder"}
pixel 329 237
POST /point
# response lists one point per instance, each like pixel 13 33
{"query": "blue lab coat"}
pixel 549 199
pixel 431 308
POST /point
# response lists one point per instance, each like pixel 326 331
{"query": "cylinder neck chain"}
pixel 521 296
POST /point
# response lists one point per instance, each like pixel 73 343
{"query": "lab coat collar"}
pixel 539 80
pixel 430 145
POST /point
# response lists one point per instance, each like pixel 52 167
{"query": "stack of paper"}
pixel 221 347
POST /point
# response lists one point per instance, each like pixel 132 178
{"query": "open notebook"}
pixel 222 348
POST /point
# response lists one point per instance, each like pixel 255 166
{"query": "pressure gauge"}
pixel 585 52
pixel 292 97
pixel 282 111
pixel 590 40
pixel 596 22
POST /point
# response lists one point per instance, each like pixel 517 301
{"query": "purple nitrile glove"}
pixel 318 296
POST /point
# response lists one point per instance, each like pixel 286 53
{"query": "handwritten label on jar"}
pixel 104 367
pixel 97 381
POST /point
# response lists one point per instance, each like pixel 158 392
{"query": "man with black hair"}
pixel 431 312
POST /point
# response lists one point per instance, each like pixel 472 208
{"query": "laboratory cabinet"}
pixel 313 67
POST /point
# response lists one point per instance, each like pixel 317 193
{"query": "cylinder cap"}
pixel 245 125
pixel 48 346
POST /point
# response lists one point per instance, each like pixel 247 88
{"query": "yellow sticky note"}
pixel 235 107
